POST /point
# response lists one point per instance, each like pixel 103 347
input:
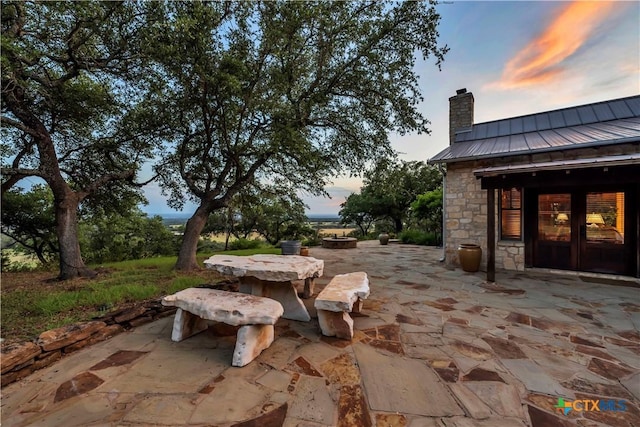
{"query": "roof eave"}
pixel 617 141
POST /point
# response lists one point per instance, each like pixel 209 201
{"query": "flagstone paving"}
pixel 432 347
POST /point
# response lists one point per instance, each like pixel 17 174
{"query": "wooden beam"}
pixel 491 235
pixel 562 179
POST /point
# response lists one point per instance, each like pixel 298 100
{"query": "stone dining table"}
pixel 272 276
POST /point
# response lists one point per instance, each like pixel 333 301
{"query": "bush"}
pixel 16 261
pixel 369 236
pixel 244 244
pixel 130 235
pixel 312 241
pixel 418 237
pixel 208 246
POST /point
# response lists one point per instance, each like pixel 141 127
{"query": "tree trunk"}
pixel 39 250
pixel 229 228
pixel 187 255
pixel 71 263
pixel 226 240
pixel 398 224
pixel 66 200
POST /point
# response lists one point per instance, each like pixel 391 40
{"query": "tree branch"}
pixel 98 182
pixel 18 125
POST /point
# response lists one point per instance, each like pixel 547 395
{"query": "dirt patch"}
pixel 28 279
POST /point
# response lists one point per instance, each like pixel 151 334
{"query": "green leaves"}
pixel 229 94
pixel 389 190
pixel 310 88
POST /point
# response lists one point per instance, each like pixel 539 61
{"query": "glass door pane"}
pixel 554 217
pixel 605 217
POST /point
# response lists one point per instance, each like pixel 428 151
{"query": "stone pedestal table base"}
pixel 283 292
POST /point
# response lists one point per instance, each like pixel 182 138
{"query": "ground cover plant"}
pixel 32 302
pixel 418 237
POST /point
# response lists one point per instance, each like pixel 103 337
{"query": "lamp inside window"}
pixel 562 218
pixel 595 220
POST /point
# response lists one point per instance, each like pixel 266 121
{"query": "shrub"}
pixel 116 237
pixel 209 246
pixel 370 236
pixel 418 237
pixel 312 241
pixel 18 261
pixel 244 244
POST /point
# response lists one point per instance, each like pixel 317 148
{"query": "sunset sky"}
pixel 517 58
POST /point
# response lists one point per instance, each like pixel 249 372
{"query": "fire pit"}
pixel 339 242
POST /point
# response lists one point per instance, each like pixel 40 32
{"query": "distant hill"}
pixel 173 215
pixel 178 218
pixel 323 217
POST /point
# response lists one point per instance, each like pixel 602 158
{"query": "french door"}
pixel 603 246
pixel 585 230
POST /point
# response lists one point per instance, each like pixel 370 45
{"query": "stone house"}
pixel 556 190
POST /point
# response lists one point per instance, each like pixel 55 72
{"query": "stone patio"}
pixel 432 347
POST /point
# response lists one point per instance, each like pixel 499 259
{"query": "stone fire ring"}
pixel 339 242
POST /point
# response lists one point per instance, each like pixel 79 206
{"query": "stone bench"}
pixel 343 295
pixel 256 316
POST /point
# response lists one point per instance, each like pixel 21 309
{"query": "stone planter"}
pixel 384 238
pixel 469 255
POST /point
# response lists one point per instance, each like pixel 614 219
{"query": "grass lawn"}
pixel 33 302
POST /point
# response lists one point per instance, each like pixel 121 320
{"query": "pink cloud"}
pixel 541 60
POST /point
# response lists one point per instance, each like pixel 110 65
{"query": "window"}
pixel 605 218
pixel 511 214
pixel 554 217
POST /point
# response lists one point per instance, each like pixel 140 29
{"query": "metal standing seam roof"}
pixel 609 122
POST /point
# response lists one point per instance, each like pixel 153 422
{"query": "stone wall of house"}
pixel 510 255
pixel 465 211
pixel 466 204
pixel 466 219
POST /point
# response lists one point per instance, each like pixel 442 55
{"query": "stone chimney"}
pixel 460 113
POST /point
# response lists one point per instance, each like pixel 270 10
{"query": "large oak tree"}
pixel 72 84
pixel 289 93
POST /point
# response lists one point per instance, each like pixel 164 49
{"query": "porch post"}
pixel 491 235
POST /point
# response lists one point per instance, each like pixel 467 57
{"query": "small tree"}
pixel 391 187
pixel 225 221
pixel 278 218
pixel 357 210
pixel 28 218
pixel 427 208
